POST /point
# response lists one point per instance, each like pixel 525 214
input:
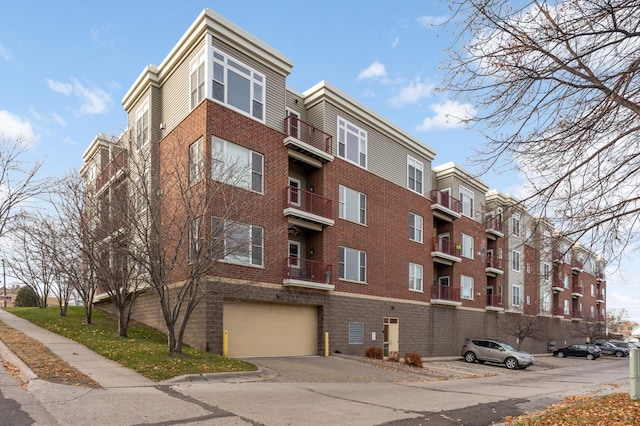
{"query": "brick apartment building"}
pixel 352 232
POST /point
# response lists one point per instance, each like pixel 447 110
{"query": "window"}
pixel 238 86
pixel 195 238
pixel 466 200
pixel 196 72
pixel 444 281
pixel 466 287
pixel 467 246
pixel 415 227
pixel 352 143
pixel 356 333
pixel 237 166
pixel 142 125
pixel 294 124
pixel 515 293
pixel 546 270
pixel 415 277
pixel 196 161
pixel 566 307
pixel 93 172
pixel 592 312
pixel 353 205
pixel 515 224
pixel 415 171
pixel 353 265
pixel 546 302
pixel 237 242
pixel 515 260
pixel 294 254
pixel 566 280
pixel 528 268
pixel 593 290
pixel 528 300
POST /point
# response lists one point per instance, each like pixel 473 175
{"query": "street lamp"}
pixel 4 284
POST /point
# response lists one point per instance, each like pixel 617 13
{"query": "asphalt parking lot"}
pixel 347 369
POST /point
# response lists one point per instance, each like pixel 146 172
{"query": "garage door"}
pixel 264 329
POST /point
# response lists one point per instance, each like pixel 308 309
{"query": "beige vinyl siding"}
pixel 297 107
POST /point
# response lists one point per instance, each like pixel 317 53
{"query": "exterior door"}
pixel 294 194
pixel 391 337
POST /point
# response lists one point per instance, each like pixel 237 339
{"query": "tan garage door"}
pixel 265 329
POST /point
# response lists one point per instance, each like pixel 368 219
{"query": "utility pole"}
pixel 4 284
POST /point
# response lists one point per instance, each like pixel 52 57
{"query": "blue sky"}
pixel 65 66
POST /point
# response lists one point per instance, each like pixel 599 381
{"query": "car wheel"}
pixel 590 357
pixel 511 363
pixel 560 354
pixel 470 357
pixel 619 354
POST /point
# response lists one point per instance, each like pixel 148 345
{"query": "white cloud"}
pixel 432 21
pixel 412 93
pixel 58 119
pixel 5 53
pixel 92 100
pixel 396 42
pixel 448 115
pixel 15 128
pixel 375 70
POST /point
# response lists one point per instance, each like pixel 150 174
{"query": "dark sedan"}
pixel 588 351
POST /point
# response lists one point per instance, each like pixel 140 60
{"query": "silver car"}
pixel 489 350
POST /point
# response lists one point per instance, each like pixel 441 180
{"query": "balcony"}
pixel 445 295
pixel 445 206
pixel 558 256
pixel 113 169
pixel 494 303
pixel 576 266
pixel 445 251
pixel 600 297
pixel 600 277
pixel 494 227
pixel 577 290
pixel 307 273
pixel 307 209
pixel 494 266
pixel 306 143
pixel 557 286
pixel 557 312
pixel 576 315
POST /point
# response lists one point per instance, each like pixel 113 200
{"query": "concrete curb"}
pixel 25 372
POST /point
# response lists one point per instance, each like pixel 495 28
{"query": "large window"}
pixel 546 270
pixel 195 238
pixel 353 205
pixel 196 73
pixel 196 161
pixel 238 86
pixel 515 260
pixel 352 143
pixel 515 293
pixel 466 287
pixel 515 224
pixel 353 264
pixel 142 125
pixel 415 173
pixel 415 277
pixel 415 227
pixel 237 242
pixel 236 165
pixel 466 200
pixel 467 246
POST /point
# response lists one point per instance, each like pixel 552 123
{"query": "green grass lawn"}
pixel 145 350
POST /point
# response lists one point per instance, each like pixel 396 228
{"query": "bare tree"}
pixel 556 85
pixel 19 182
pixel 592 330
pixel 523 326
pixel 615 319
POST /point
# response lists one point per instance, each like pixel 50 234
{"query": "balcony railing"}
pixel 558 311
pixel 493 224
pixel 600 276
pixel 305 132
pixel 576 265
pixel 494 262
pixel 307 270
pixel 445 200
pixel 446 246
pixel 494 300
pixel 577 289
pixel 445 292
pixel 558 256
pixel 118 162
pixel 577 314
pixel 308 202
pixel 600 297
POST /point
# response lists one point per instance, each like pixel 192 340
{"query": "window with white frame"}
pixel 238 85
pixel 546 270
pixel 196 73
pixel 142 124
pixel 352 264
pixel 356 333
pixel 415 277
pixel 294 123
pixel 236 242
pixel 466 200
pixel 196 161
pixel 515 295
pixel 515 224
pixel 515 260
pixel 566 280
pixel 195 238
pixel 415 227
pixel 592 312
pixel 352 143
pixel 593 290
pixel 352 205
pixel 466 287
pixel 528 300
pixel 467 246
pixel 415 175
pixel 566 307
pixel 546 302
pixel 236 165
